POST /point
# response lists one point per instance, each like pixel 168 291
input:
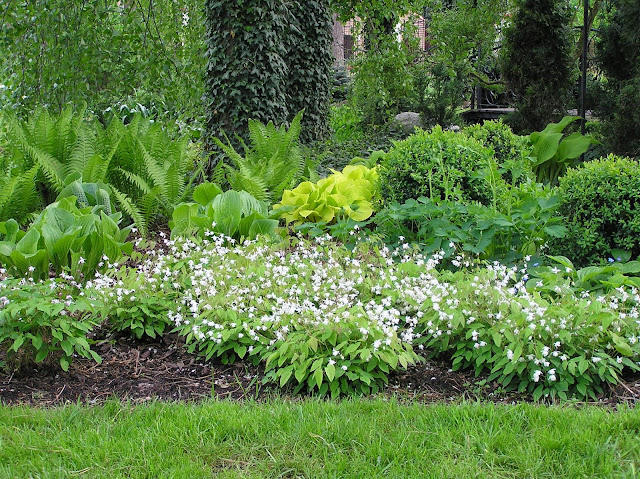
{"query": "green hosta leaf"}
pixel 227 214
pixel 545 146
pixel 205 193
pixel 573 146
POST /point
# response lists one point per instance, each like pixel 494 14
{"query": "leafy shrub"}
pixel 235 214
pixel 45 318
pixel 349 193
pixel 272 164
pixel 345 122
pixel 601 203
pixel 64 238
pixel 444 225
pixel 382 83
pixel 440 164
pixel 510 150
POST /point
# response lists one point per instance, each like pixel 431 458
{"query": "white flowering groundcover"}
pixel 324 318
pixel 336 321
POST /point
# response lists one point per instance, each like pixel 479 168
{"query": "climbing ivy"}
pixel 309 59
pixel 246 71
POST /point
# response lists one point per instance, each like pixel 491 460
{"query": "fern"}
pixel 272 164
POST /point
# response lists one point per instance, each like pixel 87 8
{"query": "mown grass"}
pixel 314 439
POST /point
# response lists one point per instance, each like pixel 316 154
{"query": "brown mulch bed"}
pixel 141 371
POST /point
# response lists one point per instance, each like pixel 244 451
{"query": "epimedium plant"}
pixel 45 319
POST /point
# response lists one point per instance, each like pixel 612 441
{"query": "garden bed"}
pixel 142 371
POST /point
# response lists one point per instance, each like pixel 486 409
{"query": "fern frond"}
pixel 82 152
pixel 131 210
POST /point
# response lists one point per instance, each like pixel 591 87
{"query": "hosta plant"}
pixel 552 153
pixel 350 193
pixel 64 238
pixel 235 214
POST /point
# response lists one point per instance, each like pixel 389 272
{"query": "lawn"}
pixel 319 439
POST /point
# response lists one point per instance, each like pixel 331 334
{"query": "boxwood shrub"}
pixel 601 203
pixel 510 150
pixel 440 164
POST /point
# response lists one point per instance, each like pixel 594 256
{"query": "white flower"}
pixel 331 362
pixel 81 260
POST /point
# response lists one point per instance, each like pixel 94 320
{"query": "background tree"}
pixel 618 54
pixel 537 63
pixel 246 71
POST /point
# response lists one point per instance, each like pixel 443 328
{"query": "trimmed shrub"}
pixel 440 164
pixel 601 203
pixel 510 150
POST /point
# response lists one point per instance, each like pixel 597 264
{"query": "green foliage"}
pixel 477 230
pixel 349 193
pixel 246 74
pixel 150 172
pixel 601 203
pixel 536 62
pixel 440 164
pixel 547 347
pixel 345 122
pixel 509 149
pixel 87 194
pixel 382 82
pixel 145 170
pixel 272 164
pixel 137 306
pixel 336 360
pixel 563 277
pixel 43 319
pixel 234 214
pixel 64 238
pixel 63 51
pixel 57 146
pixel 552 153
pixel 439 89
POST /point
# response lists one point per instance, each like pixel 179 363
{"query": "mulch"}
pixel 139 371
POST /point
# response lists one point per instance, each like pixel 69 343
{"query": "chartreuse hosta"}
pixel 327 319
pixel 350 193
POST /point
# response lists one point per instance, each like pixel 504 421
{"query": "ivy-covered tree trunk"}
pixel 310 61
pixel 537 63
pixel 246 72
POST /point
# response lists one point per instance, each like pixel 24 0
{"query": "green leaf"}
pixel 330 371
